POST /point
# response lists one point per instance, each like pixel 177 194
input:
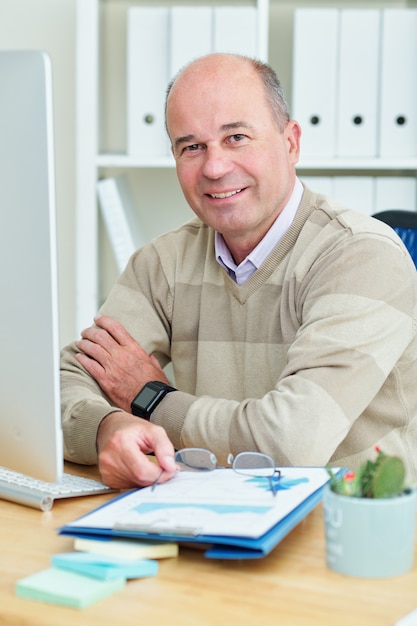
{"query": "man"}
pixel 290 321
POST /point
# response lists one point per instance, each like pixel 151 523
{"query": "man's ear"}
pixel 293 135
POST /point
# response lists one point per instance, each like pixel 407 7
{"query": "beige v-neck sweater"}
pixel 312 360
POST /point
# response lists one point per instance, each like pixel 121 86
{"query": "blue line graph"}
pixel 221 509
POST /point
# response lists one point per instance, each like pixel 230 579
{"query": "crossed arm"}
pixel 121 367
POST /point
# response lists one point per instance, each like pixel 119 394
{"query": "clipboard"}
pixel 128 515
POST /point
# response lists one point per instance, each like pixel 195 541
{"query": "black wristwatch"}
pixel 149 397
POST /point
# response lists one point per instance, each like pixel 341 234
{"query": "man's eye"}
pixel 237 137
pixel 191 148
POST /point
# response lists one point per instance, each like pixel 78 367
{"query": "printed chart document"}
pixel 236 515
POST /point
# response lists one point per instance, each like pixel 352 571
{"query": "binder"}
pixel 191 35
pixel 248 520
pixel 235 30
pixel 120 218
pixel 147 79
pixel 315 79
pixel 398 126
pixel 358 83
pixel 355 192
pixel 395 192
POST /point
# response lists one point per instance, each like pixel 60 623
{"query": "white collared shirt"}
pixel 250 264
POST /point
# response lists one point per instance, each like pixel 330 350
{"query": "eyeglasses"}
pixel 253 464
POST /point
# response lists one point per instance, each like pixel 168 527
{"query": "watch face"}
pixel 145 396
pixel 149 398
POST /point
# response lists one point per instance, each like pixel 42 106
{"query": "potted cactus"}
pixel 370 519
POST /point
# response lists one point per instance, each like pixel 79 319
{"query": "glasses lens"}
pixel 254 464
pixel 196 458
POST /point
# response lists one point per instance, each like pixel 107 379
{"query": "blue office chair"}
pixel 405 225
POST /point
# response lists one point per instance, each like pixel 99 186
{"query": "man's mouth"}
pixel 226 194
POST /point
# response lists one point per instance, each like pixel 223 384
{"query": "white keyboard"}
pixel 40 494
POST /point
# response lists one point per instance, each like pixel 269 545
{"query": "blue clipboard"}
pixel 215 546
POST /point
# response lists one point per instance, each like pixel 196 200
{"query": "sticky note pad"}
pixel 103 566
pixel 58 586
pixel 127 548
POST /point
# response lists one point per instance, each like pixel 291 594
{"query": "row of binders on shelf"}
pixel 368 194
pixel 355 83
pixel 160 41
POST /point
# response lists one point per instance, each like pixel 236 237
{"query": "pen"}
pixel 157 480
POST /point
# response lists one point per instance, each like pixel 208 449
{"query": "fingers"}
pixel 108 336
pixel 129 471
pixel 91 365
pixel 90 346
pixel 116 330
pixel 166 459
pixel 105 343
pixel 124 443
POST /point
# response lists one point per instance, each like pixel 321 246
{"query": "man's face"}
pixel 234 165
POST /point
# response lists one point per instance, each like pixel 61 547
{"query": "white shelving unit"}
pixel 359 164
pixel 92 161
pixel 89 159
pixel 355 106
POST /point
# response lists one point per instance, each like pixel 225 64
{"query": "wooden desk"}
pixel 290 587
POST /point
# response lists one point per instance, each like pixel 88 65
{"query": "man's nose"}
pixel 217 162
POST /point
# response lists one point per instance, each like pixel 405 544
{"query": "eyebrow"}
pixel 225 127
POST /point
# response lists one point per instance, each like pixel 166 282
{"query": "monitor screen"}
pixel 30 425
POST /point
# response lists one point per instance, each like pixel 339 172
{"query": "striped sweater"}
pixel 312 360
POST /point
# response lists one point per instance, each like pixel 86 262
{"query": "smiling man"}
pixel 224 154
pixel 290 321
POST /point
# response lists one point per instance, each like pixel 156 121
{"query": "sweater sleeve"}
pixel 141 301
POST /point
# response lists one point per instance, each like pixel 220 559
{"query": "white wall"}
pixel 50 25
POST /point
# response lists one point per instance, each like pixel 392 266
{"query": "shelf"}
pixel 358 164
pixel 410 164
pixel 124 160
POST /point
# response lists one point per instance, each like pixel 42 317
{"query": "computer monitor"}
pixel 30 424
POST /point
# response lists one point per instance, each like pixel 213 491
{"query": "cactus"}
pixel 382 478
pixel 389 477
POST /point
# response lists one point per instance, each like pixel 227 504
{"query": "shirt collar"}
pixel 257 256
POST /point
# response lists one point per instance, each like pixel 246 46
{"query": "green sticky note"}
pixel 58 586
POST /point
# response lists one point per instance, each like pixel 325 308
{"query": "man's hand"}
pixel 123 442
pixel 116 361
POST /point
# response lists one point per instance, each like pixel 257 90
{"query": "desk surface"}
pixel 292 586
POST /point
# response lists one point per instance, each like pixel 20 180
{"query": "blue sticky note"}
pixel 103 566
pixel 57 586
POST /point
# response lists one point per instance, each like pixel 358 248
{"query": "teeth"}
pixel 225 195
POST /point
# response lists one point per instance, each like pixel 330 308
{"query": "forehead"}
pixel 213 97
